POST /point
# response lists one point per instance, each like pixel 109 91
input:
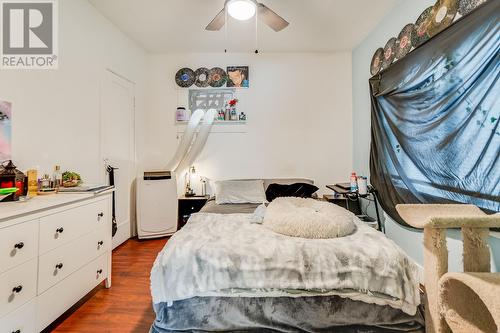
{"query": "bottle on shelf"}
pixel 362 185
pixel 354 182
pixel 32 182
pixel 57 177
pixel 226 112
pixel 233 114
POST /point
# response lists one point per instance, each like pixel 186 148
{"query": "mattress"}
pixel 332 314
pixel 200 282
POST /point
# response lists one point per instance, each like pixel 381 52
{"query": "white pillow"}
pixel 239 191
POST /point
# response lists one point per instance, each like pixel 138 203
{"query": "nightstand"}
pixel 350 200
pixel 188 206
pixel 344 202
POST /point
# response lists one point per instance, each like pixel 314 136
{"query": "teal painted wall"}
pixel 406 11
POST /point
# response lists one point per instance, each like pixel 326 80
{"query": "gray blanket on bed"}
pixel 330 314
pixel 226 255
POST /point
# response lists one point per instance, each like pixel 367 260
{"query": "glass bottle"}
pixel 57 177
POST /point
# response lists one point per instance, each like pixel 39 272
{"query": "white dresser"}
pixel 53 251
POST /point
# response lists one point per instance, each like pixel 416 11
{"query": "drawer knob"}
pixel 19 245
pixel 100 243
pixel 101 214
pixel 60 230
pixel 99 271
pixel 17 289
pixel 59 265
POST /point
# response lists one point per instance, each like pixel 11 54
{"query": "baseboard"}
pixel 122 234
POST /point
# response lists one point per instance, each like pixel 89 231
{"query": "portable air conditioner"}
pixel 156 204
pixel 157 191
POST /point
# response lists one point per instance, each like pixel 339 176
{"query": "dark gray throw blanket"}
pixel 331 314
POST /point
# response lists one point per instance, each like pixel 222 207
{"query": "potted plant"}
pixel 71 179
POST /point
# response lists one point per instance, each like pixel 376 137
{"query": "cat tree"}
pixel 466 302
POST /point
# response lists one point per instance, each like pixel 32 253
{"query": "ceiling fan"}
pixel 243 10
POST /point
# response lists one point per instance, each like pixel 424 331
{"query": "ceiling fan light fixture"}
pixel 241 10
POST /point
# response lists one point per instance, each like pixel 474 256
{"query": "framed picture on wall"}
pixel 5 130
pixel 238 77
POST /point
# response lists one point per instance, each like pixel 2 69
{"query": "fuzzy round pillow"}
pixel 308 218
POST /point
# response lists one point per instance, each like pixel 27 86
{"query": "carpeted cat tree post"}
pixel 463 302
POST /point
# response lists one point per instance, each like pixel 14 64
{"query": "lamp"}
pixel 241 10
pixel 189 191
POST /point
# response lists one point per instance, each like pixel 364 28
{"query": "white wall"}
pixel 405 12
pixel 299 117
pixel 56 113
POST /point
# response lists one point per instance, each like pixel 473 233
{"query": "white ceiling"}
pixel 166 26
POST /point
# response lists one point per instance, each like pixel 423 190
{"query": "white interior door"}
pixel 118 146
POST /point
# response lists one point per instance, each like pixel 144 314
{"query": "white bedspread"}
pixel 226 255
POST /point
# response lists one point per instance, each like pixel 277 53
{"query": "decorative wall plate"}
pixel 202 77
pixel 420 34
pixel 442 15
pixel 403 44
pixel 467 6
pixel 185 77
pixel 389 53
pixel 218 77
pixel 377 61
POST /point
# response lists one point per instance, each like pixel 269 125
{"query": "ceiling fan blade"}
pixel 218 21
pixel 273 20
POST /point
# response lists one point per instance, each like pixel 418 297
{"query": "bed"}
pixel 222 272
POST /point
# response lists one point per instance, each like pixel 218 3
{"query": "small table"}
pixel 188 206
pixel 350 200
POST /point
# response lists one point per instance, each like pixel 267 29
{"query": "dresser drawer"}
pixel 101 241
pixel 55 301
pixel 21 320
pixel 59 263
pixel 60 228
pixel 18 244
pixel 17 287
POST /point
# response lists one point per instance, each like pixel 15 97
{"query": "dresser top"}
pixel 40 203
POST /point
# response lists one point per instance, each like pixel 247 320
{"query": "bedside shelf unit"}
pixel 188 206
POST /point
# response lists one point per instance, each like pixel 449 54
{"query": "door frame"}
pixel 133 140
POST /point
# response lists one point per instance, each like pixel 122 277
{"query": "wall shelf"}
pixel 227 126
pixel 217 122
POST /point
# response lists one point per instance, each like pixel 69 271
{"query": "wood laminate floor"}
pixel 126 306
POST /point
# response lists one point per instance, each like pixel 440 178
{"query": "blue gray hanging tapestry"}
pixel 435 119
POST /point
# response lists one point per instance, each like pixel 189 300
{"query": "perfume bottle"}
pixel 233 114
pixel 57 177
